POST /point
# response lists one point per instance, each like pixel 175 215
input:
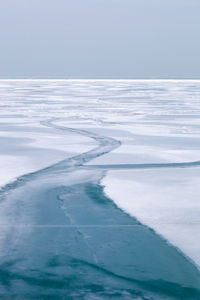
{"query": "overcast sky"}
pixel 100 38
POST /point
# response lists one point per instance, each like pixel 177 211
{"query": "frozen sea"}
pixel 99 189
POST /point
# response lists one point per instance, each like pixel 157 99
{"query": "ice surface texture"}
pixel 61 236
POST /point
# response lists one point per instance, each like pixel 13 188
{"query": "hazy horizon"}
pixel 100 39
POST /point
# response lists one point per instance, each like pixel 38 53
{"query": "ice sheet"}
pixel 155 121
pixel 165 200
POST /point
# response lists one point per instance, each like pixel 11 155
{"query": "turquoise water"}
pixel 61 237
pixel 69 241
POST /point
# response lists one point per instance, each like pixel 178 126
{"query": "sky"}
pixel 100 38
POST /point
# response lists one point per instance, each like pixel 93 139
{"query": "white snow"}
pixel 157 121
pixel 166 200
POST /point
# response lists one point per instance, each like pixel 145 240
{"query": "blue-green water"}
pixel 64 239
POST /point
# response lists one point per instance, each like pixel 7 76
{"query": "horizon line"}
pixel 99 78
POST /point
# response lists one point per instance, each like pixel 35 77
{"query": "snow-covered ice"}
pixel 156 121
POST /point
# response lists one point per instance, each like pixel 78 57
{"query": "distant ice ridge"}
pixel 156 121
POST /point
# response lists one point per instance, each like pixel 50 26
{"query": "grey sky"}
pixel 100 38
